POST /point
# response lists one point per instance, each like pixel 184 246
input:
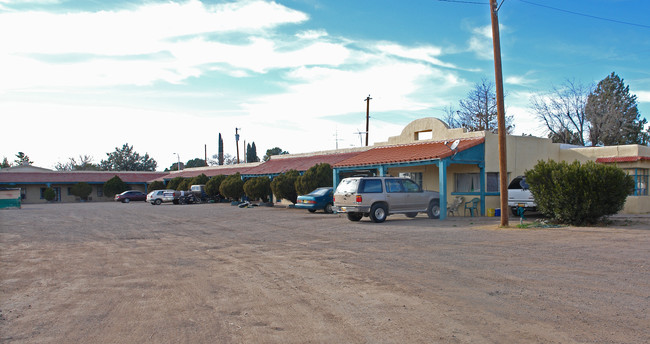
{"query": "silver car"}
pixel 378 197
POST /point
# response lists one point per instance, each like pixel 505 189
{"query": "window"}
pixel 410 186
pixel 492 181
pixel 415 176
pixel 70 191
pixel 393 185
pixel 371 186
pixel 468 182
pixel 641 176
pixel 23 193
pixel 100 190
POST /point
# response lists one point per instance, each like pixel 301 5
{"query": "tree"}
pixel 451 117
pixel 156 185
pixel 196 162
pixel 479 110
pixel 315 177
pixel 81 190
pixel 613 114
pixel 273 151
pixel 220 152
pixel 284 186
pixel 258 188
pixel 49 194
pixel 126 159
pixel 251 153
pixel 114 186
pixel 5 163
pixel 212 186
pixel 232 187
pixel 174 182
pixel 85 163
pixel 22 159
pixel 174 167
pixel 562 111
pixel 184 185
pixel 201 179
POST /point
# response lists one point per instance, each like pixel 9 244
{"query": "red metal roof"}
pixel 623 159
pixel 277 165
pixel 408 152
pixel 70 177
pixel 208 171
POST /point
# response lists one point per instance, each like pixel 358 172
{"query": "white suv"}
pixel 378 197
pixel 520 197
pixel 159 196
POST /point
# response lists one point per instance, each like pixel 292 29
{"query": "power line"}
pixel 586 15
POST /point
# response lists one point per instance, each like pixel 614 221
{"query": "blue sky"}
pixel 84 77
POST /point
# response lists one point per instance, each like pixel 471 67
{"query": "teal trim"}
pixel 10 203
pixel 482 176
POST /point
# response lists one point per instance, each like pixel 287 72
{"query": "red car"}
pixel 131 195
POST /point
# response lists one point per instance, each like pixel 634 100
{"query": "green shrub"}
pixel 184 185
pixel 173 183
pixel 315 177
pixel 49 194
pixel 201 179
pixel 232 187
pixel 81 190
pixel 258 188
pixel 578 193
pixel 213 184
pixel 156 185
pixel 284 186
pixel 114 186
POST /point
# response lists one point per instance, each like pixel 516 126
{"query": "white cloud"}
pixel 481 41
pixel 643 96
pixel 154 42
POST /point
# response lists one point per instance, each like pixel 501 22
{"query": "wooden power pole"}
pixel 367 100
pixel 501 117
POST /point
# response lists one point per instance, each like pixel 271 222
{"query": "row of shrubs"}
pixel 287 185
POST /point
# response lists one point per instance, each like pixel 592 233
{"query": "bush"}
pixel 232 187
pixel 315 177
pixel 49 194
pixel 200 179
pixel 213 184
pixel 258 188
pixel 577 194
pixel 184 185
pixel 157 185
pixel 114 186
pixel 284 186
pixel 173 183
pixel 81 190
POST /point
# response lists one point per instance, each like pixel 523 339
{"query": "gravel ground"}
pixel 213 273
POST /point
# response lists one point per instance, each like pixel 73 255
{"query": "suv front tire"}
pixel 378 213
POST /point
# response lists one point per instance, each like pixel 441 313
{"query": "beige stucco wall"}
pixel 33 193
pixel 523 153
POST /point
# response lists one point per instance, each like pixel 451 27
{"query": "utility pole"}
pixel 237 142
pixel 367 100
pixel 501 117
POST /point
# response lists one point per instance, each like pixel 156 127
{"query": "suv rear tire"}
pixel 354 216
pixel 378 213
pixel 433 211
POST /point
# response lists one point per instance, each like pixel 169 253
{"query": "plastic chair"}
pixel 472 206
pixel 453 207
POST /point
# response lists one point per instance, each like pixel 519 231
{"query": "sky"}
pixel 167 77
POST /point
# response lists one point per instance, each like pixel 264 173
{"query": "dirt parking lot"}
pixel 213 273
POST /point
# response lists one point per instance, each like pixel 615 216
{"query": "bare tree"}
pixel 479 110
pixel 562 110
pixel 451 117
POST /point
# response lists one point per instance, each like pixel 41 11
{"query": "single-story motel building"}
pixel 452 161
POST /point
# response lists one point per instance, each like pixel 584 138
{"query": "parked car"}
pixel 131 195
pixel 519 196
pixel 159 196
pixel 321 198
pixel 378 197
